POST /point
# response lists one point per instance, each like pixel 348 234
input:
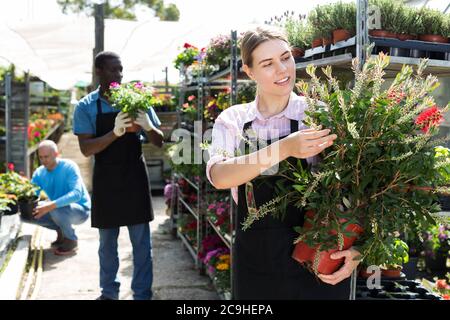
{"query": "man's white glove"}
pixel 144 121
pixel 121 124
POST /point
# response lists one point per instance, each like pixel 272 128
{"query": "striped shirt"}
pixel 228 129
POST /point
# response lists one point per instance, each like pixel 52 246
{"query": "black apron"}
pixel 263 268
pixel 120 187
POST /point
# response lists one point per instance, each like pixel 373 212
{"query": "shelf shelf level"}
pixel 192 211
pixel 189 247
pixel 224 237
pixel 343 61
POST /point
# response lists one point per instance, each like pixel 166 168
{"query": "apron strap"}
pixel 99 105
pixel 294 126
pixel 247 126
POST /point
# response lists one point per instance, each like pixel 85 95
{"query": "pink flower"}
pixel 37 134
pixel 11 166
pixel 114 85
pixel 211 206
pixel 190 98
pixel 138 85
pixel 220 211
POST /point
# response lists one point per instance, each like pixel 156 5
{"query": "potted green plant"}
pixel 432 26
pixel 393 265
pixel 343 21
pixel 389 11
pixel 130 98
pixel 299 36
pixel 405 24
pixel 384 147
pixel 320 21
pixel 390 260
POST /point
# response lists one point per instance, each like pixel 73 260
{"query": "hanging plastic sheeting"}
pixel 60 53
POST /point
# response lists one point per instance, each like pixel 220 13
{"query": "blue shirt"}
pixel 63 184
pixel 86 113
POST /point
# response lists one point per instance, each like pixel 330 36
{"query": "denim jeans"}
pixel 141 283
pixel 63 218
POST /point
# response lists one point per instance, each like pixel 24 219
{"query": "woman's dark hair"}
pixel 253 38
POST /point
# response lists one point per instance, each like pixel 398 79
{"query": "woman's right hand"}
pixel 307 143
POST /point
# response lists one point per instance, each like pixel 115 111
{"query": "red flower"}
pixel 431 117
pixel 441 284
pixel 446 296
pixel 11 166
pixel 188 45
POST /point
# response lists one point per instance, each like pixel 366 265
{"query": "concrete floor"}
pixel 77 277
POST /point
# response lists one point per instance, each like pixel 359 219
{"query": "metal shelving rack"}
pixel 340 56
pixel 204 225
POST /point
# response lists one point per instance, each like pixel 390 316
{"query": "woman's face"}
pixel 273 68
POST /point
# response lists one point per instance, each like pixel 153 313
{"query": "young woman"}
pixel 262 263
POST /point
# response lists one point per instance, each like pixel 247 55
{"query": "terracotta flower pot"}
pixel 405 37
pixel 304 254
pixel 297 52
pixel 382 34
pixel 433 38
pixel 391 273
pixel 134 128
pixel 316 43
pixel 364 274
pixel 340 35
pixel 326 41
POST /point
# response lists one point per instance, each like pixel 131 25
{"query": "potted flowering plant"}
pixel 187 225
pixel 130 98
pixel 443 288
pixel 22 189
pixel 189 109
pixel 218 266
pixel 187 57
pixel 219 214
pixel 209 243
pixel 376 180
pixel 218 52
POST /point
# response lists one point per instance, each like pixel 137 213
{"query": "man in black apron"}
pixel 120 189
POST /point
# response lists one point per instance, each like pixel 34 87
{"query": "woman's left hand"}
pixel 346 270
